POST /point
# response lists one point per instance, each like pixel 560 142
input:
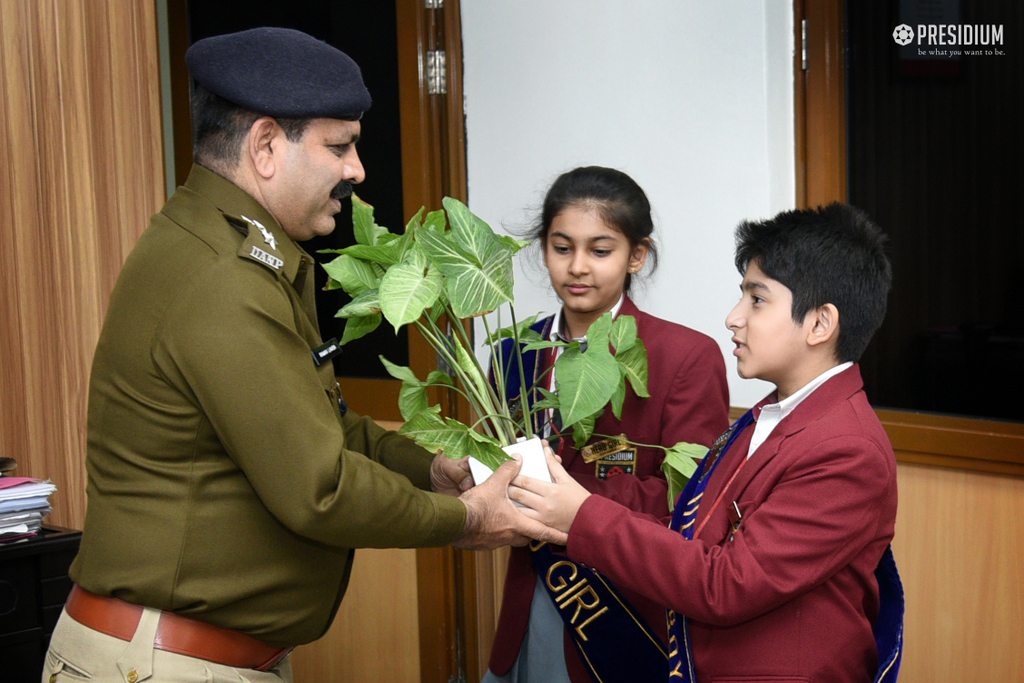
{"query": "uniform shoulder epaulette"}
pixel 260 244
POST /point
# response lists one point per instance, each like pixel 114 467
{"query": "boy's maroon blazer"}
pixel 689 401
pixel 792 597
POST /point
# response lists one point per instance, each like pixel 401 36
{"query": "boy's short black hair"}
pixel 835 255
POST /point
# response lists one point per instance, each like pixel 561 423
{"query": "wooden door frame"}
pixel 434 166
pixel 820 120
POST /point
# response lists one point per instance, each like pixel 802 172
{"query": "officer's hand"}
pixel 493 521
pixel 553 504
pixel 450 477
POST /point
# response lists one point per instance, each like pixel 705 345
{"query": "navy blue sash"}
pixel 888 629
pixel 680 656
pixel 614 641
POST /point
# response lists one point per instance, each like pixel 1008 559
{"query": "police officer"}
pixel 227 484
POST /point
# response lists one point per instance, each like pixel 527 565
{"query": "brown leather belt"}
pixel 175 633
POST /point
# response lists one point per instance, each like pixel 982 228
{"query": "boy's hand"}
pixel 555 504
pixel 450 477
pixel 493 521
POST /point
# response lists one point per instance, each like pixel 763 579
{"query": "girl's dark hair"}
pixel 616 198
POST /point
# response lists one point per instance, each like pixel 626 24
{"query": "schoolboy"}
pixel 792 511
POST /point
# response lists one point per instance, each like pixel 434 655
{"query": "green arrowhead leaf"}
pixel 366 231
pixel 412 397
pixel 633 362
pixel 623 333
pixel 399 371
pixel 679 465
pixel 386 254
pixel 406 290
pixel 584 429
pixel 586 381
pixel 546 344
pixel 416 221
pixel 475 284
pixel 619 397
pixel 360 326
pixel 354 276
pixel 436 220
pixel 510 332
pixel 367 303
pixel 456 440
pixel 469 230
pixel 437 377
pixel 512 244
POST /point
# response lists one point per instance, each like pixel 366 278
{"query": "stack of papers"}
pixel 24 505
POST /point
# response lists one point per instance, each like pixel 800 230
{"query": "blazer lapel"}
pixel 813 408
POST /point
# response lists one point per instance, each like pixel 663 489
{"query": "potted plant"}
pixel 451 263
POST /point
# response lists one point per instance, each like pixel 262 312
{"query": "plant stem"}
pixel 498 363
pixel 527 412
pixel 632 443
pixel 481 398
pixel 439 342
pixel 486 395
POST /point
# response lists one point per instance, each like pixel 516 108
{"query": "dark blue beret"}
pixel 280 72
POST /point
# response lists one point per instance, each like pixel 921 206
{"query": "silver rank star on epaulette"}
pixel 268 236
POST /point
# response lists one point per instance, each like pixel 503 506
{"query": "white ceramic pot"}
pixel 534 463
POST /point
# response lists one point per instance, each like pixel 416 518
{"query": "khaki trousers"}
pixel 78 653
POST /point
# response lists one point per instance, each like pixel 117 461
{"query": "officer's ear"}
pixel 264 140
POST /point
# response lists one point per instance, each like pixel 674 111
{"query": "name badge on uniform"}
pixel 600 449
pixel 613 456
pixel 263 256
pixel 325 352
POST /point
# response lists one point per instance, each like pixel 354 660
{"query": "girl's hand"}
pixel 555 505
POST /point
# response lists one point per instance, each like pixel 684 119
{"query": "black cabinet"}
pixel 34 584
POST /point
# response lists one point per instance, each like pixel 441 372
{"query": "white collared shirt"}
pixel 773 413
pixel 556 325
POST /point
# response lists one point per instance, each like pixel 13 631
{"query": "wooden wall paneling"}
pixel 375 636
pixel 960 549
pixel 83 172
pixel 491 567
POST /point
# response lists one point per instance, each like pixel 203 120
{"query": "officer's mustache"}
pixel 342 190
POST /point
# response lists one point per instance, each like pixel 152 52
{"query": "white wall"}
pixel 693 99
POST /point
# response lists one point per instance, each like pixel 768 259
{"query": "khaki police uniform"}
pixel 224 482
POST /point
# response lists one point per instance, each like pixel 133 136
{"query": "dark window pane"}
pixel 366 30
pixel 935 156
